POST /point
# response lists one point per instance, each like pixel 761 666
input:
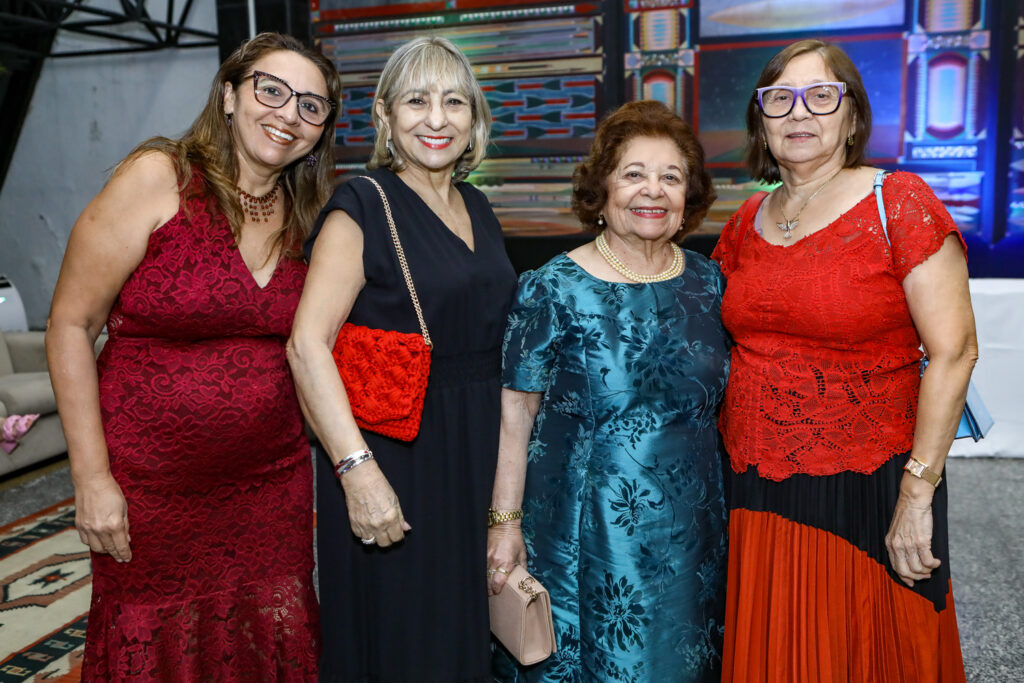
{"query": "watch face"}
pixel 921 471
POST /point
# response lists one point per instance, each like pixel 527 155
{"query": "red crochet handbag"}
pixel 385 372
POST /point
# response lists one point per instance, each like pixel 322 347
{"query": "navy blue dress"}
pixel 417 611
pixel 625 520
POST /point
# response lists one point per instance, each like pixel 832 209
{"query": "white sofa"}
pixel 25 388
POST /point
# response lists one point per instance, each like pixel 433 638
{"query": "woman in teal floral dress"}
pixel 615 362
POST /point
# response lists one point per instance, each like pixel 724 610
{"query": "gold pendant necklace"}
pixel 258 209
pixel 622 269
pixel 789 226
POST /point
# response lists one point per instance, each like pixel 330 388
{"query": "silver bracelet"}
pixel 351 460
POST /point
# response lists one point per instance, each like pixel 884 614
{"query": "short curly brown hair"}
pixel 645 118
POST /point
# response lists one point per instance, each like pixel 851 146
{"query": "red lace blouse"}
pixel 825 367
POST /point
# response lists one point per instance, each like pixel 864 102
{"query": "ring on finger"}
pixel 368 541
pixel 502 570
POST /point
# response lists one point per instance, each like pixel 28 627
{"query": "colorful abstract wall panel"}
pixel 946 116
pixel 553 114
pixel 363 54
pixel 530 196
pixel 731 18
pixel 961 194
pixel 938 16
pixel 542 116
pixel 540 65
pixel 529 115
pixel 658 62
pixel 725 78
pixel 727 73
pixel 1015 201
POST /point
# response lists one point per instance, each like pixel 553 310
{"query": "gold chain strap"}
pixel 402 262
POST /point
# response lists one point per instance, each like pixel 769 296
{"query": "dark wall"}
pixel 283 16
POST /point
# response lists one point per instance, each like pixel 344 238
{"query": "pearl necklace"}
pixel 789 226
pixel 258 209
pixel 672 271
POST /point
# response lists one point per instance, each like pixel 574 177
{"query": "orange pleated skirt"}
pixel 811 595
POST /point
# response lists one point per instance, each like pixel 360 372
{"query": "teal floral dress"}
pixel 625 520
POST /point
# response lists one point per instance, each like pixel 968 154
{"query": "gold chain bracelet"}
pixel 500 516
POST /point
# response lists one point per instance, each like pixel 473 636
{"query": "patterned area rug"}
pixel 45 584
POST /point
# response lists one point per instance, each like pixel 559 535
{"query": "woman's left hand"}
pixel 909 540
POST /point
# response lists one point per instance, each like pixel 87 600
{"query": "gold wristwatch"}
pixel 922 471
pixel 496 517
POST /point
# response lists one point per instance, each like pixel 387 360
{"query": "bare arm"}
pixel 334 281
pixel 107 243
pixel 505 547
pixel 940 305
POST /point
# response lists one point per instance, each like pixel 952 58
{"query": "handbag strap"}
pixel 402 262
pixel 879 179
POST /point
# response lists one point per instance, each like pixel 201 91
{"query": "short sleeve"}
pixel 917 222
pixel 719 278
pixel 348 198
pixel 532 336
pixel 726 252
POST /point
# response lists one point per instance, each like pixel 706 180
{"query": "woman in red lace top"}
pixel 193 477
pixel 838 562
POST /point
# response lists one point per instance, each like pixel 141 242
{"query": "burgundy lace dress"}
pixel 206 441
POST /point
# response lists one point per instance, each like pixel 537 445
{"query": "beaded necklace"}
pixel 259 209
pixel 672 271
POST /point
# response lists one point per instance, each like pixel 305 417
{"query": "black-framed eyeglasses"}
pixel 271 91
pixel 820 99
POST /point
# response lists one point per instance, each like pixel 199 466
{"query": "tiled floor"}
pixel 986 542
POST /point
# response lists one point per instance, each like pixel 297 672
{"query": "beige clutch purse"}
pixel 521 618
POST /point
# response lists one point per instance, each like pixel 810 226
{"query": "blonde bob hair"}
pixel 415 66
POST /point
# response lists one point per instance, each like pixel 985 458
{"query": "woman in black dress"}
pixel 402 538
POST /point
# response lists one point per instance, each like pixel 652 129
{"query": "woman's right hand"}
pixel 101 517
pixel 373 509
pixel 505 550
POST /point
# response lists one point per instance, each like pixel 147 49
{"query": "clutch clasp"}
pixel 526 585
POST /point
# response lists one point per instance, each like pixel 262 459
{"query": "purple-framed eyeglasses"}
pixel 272 92
pixel 820 99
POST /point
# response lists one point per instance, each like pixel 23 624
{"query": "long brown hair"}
pixel 209 145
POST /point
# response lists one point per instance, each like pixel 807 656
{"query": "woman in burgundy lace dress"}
pixel 838 557
pixel 192 475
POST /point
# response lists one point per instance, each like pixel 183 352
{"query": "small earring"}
pixel 764 144
pixel 849 140
pixel 389 148
pixel 469 148
pixel 311 160
pixel 227 117
pixel 600 220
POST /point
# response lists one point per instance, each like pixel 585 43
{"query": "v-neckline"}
pixel 233 246
pixel 472 220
